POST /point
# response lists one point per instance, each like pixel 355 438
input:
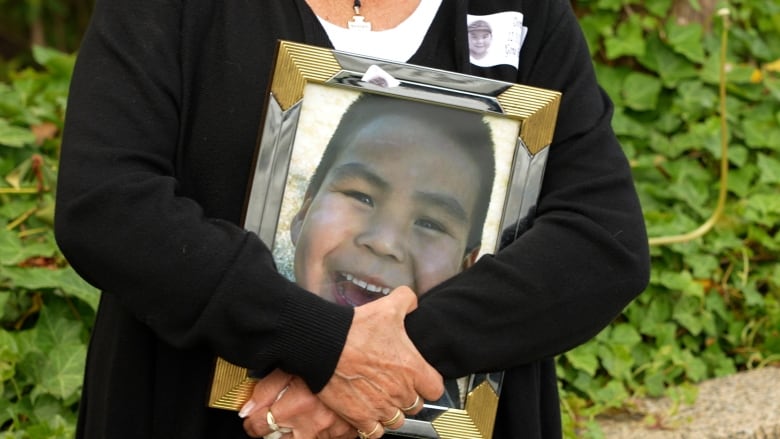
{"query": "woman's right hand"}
pixel 380 370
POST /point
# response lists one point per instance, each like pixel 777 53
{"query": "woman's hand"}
pixel 297 413
pixel 380 371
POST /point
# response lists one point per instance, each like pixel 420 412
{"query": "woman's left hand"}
pixel 296 412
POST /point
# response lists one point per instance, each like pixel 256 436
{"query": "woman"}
pixel 163 113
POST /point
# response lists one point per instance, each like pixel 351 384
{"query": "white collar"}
pixel 396 44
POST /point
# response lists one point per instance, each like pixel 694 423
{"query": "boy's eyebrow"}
pixel 450 205
pixel 360 170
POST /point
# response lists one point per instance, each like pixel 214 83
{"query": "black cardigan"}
pixel 160 130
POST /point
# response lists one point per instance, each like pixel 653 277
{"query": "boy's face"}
pixel 394 209
pixel 479 43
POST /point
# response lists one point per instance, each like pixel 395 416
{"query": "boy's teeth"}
pixel 367 286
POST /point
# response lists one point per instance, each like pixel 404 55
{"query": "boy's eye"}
pixel 360 196
pixel 431 225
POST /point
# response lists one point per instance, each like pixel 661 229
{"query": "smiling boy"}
pixel 480 37
pixel 399 198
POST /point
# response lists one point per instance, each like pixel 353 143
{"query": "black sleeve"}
pixel 124 225
pixel 586 255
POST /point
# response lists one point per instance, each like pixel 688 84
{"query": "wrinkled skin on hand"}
pixel 293 406
pixel 380 370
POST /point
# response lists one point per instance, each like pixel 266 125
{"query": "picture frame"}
pixel 311 92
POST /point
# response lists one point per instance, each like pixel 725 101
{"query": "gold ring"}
pixel 414 404
pixel 393 420
pixel 364 435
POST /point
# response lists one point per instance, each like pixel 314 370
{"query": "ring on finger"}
pixel 414 404
pixel 392 420
pixel 271 421
pixel 364 435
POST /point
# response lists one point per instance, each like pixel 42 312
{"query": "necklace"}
pixel 358 22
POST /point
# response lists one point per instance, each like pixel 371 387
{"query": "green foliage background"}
pixel 713 304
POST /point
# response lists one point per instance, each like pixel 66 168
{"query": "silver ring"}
pixel 271 421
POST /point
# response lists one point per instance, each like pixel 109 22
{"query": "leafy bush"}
pixel 712 305
pixel 46 310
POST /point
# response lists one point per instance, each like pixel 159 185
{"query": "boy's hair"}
pixel 480 26
pixel 466 128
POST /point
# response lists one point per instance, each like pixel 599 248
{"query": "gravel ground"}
pixel 741 406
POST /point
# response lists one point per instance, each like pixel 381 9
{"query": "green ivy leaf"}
pixel 74 285
pixel 763 208
pixel 689 321
pixel 64 279
pixel 768 169
pixel 754 42
pixel 655 384
pixel 60 366
pixel 741 180
pixel 617 360
pixel 594 27
pixel 611 395
pixel 658 8
pixel 611 79
pixel 640 91
pixel 761 133
pixel 658 312
pixel 15 136
pixel 625 125
pixel 668 122
pixel 53 428
pixel 628 40
pixel 670 66
pixel 702 265
pixel 62 374
pixel 584 358
pixel 715 303
pixel 681 281
pixel 9 356
pixel 695 368
pixel 738 155
pixel 624 334
pixel 610 5
pixel 752 296
pixel 10 103
pixel 14 251
pixel 58 64
pixel 686 40
pixel 694 100
pixel 760 236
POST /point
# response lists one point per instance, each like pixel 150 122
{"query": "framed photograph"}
pixel 371 174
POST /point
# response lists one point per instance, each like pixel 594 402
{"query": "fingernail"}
pixel 246 409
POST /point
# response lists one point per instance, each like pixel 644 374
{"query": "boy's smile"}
pixel 353 291
pixel 394 209
pixel 479 43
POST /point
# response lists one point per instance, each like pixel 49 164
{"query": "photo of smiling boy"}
pixel 398 198
pixel 480 37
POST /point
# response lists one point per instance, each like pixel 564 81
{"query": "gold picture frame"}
pixel 526 115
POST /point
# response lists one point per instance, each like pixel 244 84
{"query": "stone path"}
pixel 741 406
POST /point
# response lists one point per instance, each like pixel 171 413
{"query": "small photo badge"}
pixel 495 39
pixel 379 77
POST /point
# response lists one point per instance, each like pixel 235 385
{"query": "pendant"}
pixel 359 23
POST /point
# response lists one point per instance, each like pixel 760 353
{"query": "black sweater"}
pixel 161 125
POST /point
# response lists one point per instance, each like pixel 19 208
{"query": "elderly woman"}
pixel 162 119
